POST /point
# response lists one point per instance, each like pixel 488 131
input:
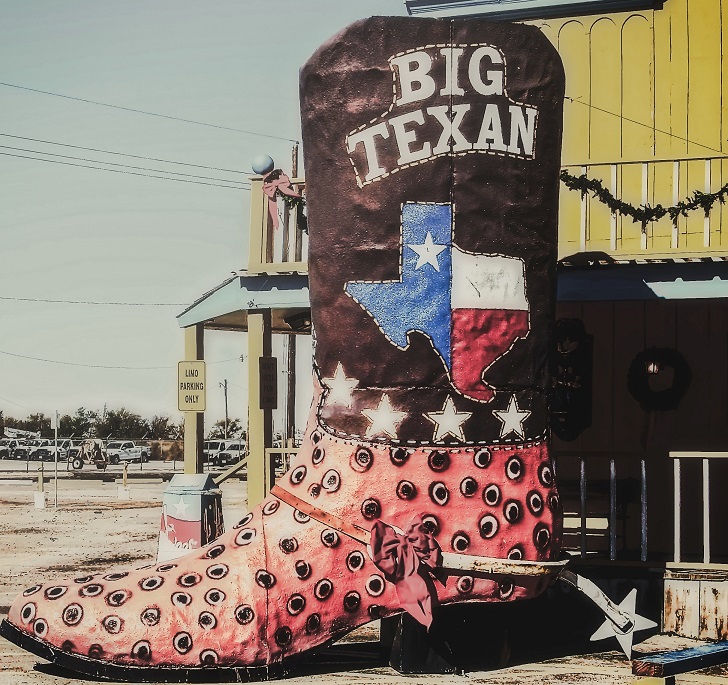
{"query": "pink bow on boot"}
pixel 399 558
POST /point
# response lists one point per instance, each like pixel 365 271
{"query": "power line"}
pixel 115 304
pixel 151 114
pixel 126 166
pixel 120 171
pixel 22 406
pixel 126 154
pixel 101 366
pixel 640 123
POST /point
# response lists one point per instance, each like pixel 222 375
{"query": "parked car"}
pixel 233 452
pixel 22 449
pixel 126 450
pixel 211 449
pixel 29 449
pixel 47 450
pixel 7 447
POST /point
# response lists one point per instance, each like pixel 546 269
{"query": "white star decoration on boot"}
pixel 427 252
pixel 340 387
pixel 512 418
pixel 384 419
pixel 449 421
pixel 608 629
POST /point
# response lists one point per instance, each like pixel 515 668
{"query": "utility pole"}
pixel 224 386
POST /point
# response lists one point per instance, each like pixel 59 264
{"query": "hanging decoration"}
pixel 668 368
pixel 571 362
pixel 277 184
pixel 643 214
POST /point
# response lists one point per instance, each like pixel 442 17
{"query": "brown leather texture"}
pixel 503 202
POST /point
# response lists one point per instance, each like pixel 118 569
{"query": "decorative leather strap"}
pixel 480 567
pixel 359 534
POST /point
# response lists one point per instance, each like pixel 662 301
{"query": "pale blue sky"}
pixel 78 234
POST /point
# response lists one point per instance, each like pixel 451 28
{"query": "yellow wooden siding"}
pixel 645 114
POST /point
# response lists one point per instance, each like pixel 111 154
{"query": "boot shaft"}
pixel 432 153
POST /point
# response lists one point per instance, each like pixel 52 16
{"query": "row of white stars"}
pixel 385 419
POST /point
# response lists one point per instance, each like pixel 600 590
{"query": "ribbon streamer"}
pixel 400 558
pixel 273 183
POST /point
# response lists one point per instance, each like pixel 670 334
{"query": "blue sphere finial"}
pixel 263 164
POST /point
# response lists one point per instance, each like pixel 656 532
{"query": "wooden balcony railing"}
pixel 705 458
pixel 587 225
pixel 275 250
pixel 600 493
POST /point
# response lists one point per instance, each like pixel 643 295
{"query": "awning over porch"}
pixel 226 307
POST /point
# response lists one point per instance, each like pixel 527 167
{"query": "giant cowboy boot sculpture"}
pixel 432 159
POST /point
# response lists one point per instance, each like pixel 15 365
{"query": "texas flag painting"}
pixel 472 307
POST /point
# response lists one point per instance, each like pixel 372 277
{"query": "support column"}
pixel 291 390
pixel 260 421
pixel 194 421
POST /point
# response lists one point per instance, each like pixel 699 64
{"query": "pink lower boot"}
pixel 424 478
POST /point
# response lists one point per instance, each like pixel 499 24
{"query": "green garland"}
pixel 643 214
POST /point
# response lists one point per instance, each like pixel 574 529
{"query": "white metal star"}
pixel 427 252
pixel 181 507
pixel 384 419
pixel 608 629
pixel 512 418
pixel 340 387
pixel 449 421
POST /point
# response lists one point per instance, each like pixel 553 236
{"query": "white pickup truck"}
pixel 126 450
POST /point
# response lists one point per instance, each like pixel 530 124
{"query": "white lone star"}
pixel 427 252
pixel 512 418
pixel 608 629
pixel 449 421
pixel 340 387
pixel 180 509
pixel 384 419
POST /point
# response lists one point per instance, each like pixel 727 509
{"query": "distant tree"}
pixel 162 428
pixel 38 423
pixel 217 432
pixel 80 425
pixel 121 423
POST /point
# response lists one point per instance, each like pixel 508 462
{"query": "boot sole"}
pixel 116 672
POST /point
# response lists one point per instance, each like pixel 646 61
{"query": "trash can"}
pixel 191 515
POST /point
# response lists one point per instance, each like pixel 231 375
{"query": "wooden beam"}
pixel 260 421
pixel 194 431
pixel 682 661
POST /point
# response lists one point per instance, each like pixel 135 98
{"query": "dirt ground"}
pixel 93 530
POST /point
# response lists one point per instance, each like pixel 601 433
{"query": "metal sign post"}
pixel 55 473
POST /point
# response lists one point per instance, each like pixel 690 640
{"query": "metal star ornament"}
pixel 608 629
pixel 449 421
pixel 384 419
pixel 512 418
pixel 340 387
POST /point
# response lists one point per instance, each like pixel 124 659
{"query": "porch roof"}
pixel 226 306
